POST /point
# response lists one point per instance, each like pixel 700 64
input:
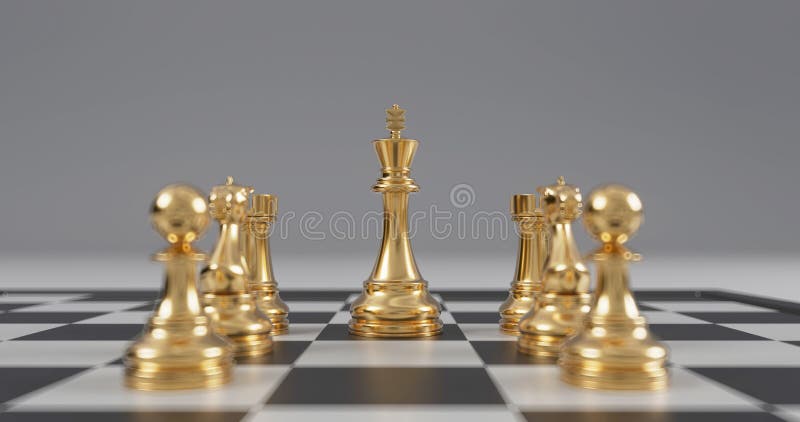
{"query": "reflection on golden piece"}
pixel 564 300
pixel 246 244
pixel 614 349
pixel 395 301
pixel 262 283
pixel 531 255
pixel 178 349
pixel 224 280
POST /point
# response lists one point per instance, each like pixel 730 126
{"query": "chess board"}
pixel 733 358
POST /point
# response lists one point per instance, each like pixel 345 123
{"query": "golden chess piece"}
pixel 564 299
pixel 395 301
pixel 531 254
pixel 263 285
pixel 178 349
pixel 614 349
pixel 224 281
pixel 246 244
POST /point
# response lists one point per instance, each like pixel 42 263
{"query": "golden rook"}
pixel 263 285
pixel 531 254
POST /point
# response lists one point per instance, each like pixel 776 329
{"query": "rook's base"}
pixel 521 298
pixel 269 302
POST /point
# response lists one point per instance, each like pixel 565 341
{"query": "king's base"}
pixel 395 309
pixel 395 328
pixel 593 375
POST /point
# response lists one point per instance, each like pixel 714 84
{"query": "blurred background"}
pixel 693 103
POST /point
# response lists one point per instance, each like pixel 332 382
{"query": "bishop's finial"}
pixel 229 180
pixel 395 120
pixel 561 181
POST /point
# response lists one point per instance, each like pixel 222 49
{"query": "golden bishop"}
pixel 614 348
pixel 395 301
pixel 178 349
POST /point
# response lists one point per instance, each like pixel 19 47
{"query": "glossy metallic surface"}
pixel 246 243
pixel 225 279
pixel 531 254
pixel 614 349
pixel 559 309
pixel 262 279
pixel 395 301
pixel 178 349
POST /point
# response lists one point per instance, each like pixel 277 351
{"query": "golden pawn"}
pixel 178 349
pixel 614 349
pixel 224 280
pixel 564 300
pixel 395 301
pixel 531 254
pixel 262 284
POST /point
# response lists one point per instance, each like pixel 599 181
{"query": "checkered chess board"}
pixel 733 358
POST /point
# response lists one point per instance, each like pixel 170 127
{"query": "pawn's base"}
pixel 395 309
pixel 178 354
pixel 615 378
pixel 614 355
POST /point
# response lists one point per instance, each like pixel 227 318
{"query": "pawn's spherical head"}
pixel 179 213
pixel 613 213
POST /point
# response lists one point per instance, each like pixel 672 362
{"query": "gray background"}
pixel 694 104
